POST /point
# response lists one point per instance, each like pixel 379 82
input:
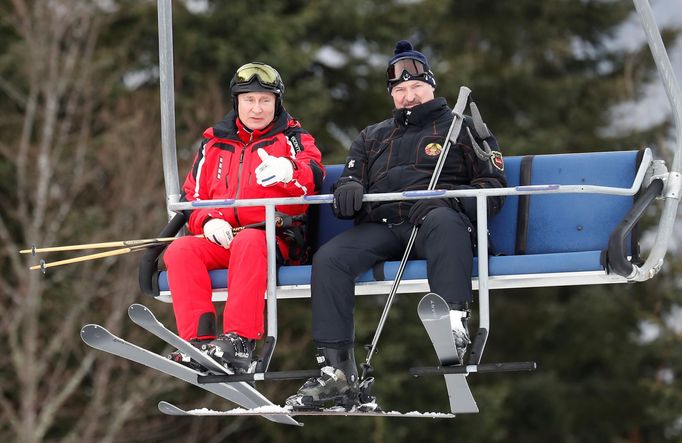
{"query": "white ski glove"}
pixel 219 232
pixel 273 169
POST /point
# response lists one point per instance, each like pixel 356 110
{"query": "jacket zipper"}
pixel 239 177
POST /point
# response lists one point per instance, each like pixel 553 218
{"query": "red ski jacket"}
pixel 224 168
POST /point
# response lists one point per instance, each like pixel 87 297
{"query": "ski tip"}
pixel 136 311
pixel 137 307
pixel 91 333
pixel 431 296
pixel 90 327
pixel 170 409
pixel 432 303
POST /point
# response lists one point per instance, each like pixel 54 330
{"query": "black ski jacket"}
pixel 400 154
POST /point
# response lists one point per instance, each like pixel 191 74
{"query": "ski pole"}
pixel 134 245
pixel 280 222
pixel 44 265
pixel 112 244
pixel 455 127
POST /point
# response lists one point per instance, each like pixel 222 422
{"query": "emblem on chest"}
pixel 433 149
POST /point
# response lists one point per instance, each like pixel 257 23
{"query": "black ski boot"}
pixel 336 387
pixel 460 330
pixel 186 360
pixel 232 350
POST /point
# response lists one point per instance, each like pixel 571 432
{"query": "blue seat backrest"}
pixel 328 225
pixel 502 227
pixel 556 223
pixel 578 222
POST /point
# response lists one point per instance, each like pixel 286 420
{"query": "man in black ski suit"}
pixel 398 154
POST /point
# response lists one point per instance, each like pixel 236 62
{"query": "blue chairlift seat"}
pixel 546 240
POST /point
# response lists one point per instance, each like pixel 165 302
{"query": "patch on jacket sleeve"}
pixel 294 145
pixel 219 174
pixel 497 160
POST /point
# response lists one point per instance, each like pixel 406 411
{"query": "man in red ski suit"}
pixel 256 151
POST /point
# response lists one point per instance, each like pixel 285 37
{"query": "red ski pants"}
pixel 188 260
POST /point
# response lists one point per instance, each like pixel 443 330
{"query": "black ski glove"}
pixel 420 210
pixel 348 198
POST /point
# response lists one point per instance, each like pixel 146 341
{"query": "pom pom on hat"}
pixel 404 49
pixel 402 46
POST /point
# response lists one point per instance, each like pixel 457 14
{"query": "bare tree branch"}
pixel 49 410
pixel 11 249
pixel 59 166
pixel 13 92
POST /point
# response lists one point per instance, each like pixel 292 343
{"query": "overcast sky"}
pixel 653 106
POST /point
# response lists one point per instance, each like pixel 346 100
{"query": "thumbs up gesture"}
pixel 273 170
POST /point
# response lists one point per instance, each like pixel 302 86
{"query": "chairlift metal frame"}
pixel 649 171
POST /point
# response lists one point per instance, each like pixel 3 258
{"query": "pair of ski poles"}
pixel 124 247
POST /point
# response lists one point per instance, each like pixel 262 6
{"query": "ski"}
pixel 434 313
pixel 171 409
pixel 99 338
pixel 144 317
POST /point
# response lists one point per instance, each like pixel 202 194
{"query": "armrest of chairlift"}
pixel 616 259
pixel 148 269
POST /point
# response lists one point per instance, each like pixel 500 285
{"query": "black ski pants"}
pixel 444 240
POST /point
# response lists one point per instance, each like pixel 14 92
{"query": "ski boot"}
pixel 336 387
pixel 460 331
pixel 232 351
pixel 185 360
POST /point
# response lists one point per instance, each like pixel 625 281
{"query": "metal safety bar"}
pixel 437 193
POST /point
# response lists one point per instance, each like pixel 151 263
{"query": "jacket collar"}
pixel 421 115
pixel 247 135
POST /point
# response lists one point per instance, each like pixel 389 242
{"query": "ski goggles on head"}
pixel 265 74
pixel 410 66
